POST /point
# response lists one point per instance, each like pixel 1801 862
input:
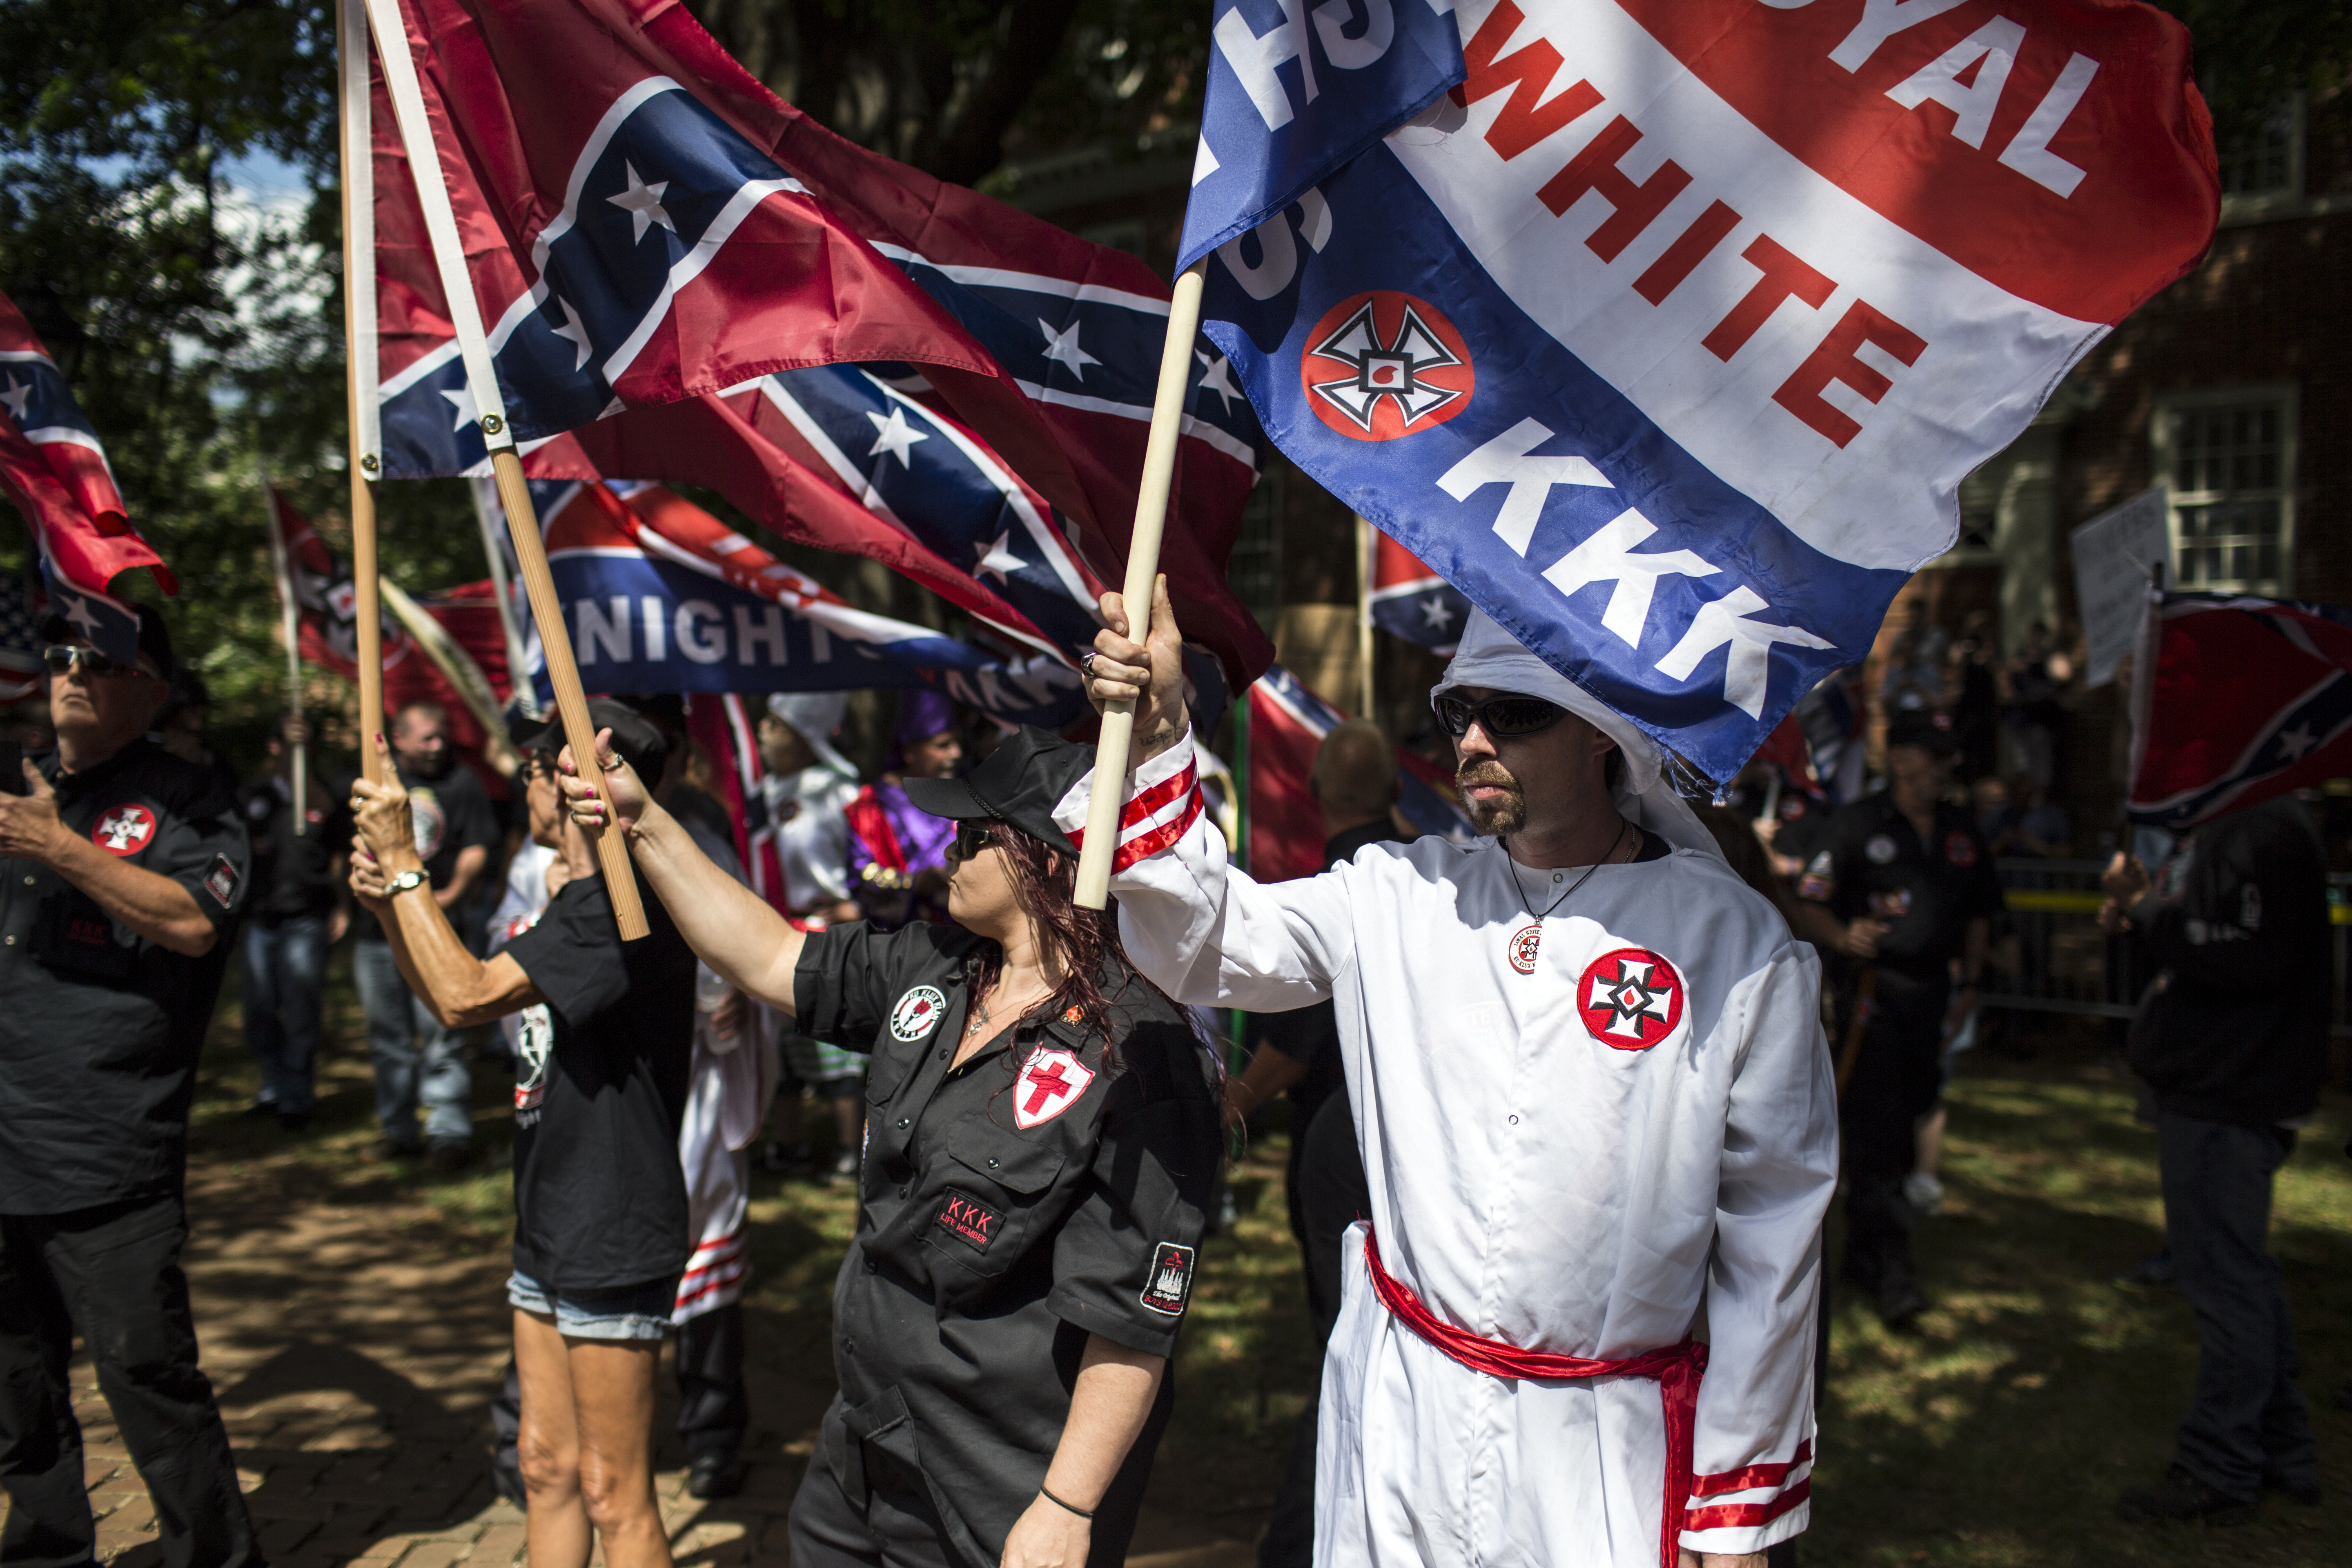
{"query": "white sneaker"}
pixel 1923 1193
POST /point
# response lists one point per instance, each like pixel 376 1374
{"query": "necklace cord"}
pixel 1527 904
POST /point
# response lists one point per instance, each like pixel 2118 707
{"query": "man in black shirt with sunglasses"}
pixel 122 866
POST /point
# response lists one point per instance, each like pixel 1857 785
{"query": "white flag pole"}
pixel 1142 566
pixel 489 408
pixel 518 680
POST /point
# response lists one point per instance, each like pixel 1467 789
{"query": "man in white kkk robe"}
pixel 1597 1115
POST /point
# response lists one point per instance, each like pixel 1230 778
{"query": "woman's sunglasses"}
pixel 972 837
pixel 1505 717
pixel 62 657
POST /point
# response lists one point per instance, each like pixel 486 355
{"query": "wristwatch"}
pixel 404 881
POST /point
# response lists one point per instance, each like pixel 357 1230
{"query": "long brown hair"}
pixel 1045 883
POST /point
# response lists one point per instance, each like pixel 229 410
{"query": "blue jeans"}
pixel 2249 1416
pixel 418 1063
pixel 285 975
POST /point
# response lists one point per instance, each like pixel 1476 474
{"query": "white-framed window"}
pixel 2261 166
pixel 2227 459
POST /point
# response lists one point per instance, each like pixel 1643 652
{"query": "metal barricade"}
pixel 2053 958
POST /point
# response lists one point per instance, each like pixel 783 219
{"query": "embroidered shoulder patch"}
pixel 1170 1285
pixel 919 1012
pixel 221 881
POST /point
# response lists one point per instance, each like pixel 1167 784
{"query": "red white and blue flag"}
pixel 661 249
pixel 660 595
pixel 1410 601
pixel 2243 700
pixel 1286 726
pixel 1668 333
pixel 54 468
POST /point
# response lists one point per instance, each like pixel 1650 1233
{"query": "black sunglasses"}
pixel 972 837
pixel 62 657
pixel 1505 717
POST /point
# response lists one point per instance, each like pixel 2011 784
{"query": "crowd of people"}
pixel 1511 1204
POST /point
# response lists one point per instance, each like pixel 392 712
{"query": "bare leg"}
pixel 556 1526
pixel 613 1406
pixel 1929 1134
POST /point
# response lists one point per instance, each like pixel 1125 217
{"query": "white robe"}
pixel 1534 1181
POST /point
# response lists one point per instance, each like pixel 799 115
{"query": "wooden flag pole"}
pixel 290 623
pixel 505 463
pixel 1142 567
pixel 359 358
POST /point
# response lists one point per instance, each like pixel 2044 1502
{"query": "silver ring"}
pixel 1086 662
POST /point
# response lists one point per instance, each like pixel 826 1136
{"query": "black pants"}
pixel 1332 1193
pixel 1895 1080
pixel 2249 1416
pixel 112 1274
pixel 714 1408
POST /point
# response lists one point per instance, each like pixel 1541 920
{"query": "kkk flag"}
pixel 54 470
pixel 2243 699
pixel 1669 331
pixel 655 240
pixel 660 595
pixel 1410 601
pixel 1287 725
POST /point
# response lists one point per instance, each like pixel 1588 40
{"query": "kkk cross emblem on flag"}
pixel 1630 999
pixel 1051 1082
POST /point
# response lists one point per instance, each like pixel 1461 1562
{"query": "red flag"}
pixel 2246 699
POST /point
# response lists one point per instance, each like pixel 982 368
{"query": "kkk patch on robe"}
pixel 1630 999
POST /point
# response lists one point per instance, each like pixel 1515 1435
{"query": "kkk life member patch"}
pixel 919 1012
pixel 967 1219
pixel 1170 1284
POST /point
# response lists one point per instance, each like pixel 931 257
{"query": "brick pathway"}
pixel 355 1338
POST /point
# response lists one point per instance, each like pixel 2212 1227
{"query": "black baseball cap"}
pixel 154 638
pixel 634 739
pixel 1021 783
pixel 1926 728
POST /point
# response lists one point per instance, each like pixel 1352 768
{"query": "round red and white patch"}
pixel 1960 849
pixel 1051 1081
pixel 1524 943
pixel 1384 365
pixel 1630 999
pixel 124 829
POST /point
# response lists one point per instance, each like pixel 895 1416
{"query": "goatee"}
pixel 1498 817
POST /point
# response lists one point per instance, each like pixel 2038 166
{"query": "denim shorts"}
pixel 630 1312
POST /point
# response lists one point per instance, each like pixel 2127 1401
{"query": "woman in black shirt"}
pixel 599 1199
pixel 1041 1141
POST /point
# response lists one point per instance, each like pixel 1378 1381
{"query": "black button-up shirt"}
pixel 1051 1187
pixel 1874 864
pixel 97 1035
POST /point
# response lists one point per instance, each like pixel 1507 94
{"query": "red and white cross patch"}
pixel 1051 1081
pixel 124 830
pixel 1630 999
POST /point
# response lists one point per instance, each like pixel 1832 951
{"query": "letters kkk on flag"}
pixel 1669 331
pixel 2242 699
pixel 665 254
pixel 54 470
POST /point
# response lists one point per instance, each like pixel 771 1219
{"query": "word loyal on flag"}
pixel 1666 330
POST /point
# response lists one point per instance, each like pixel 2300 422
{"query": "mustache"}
pixel 1487 772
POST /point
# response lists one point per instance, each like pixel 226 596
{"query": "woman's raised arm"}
pixel 730 926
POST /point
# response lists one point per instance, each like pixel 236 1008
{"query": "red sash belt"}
pixel 1677 1368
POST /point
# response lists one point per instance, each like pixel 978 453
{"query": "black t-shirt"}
pixel 1872 863
pixel 600 1198
pixel 293 873
pixel 99 1033
pixel 1051 1186
pixel 452 813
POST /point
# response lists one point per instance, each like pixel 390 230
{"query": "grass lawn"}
pixel 1997 1434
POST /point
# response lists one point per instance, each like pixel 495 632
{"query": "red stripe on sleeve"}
pixel 1746 1515
pixel 1752 1477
